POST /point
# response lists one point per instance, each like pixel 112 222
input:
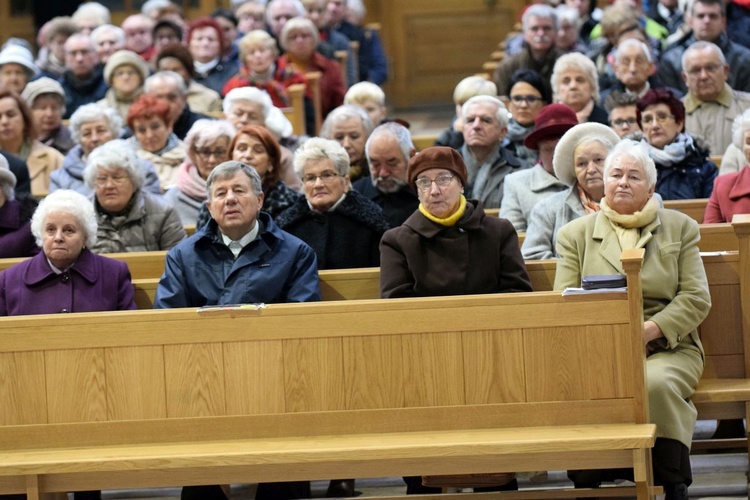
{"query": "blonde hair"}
pixel 472 86
pixel 362 92
pixel 255 39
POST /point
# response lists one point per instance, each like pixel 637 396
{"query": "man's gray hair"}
pixel 740 127
pixel 79 36
pixel 317 149
pixel 399 132
pixel 501 115
pixel 168 76
pixel 112 155
pixel 539 10
pixel 343 113
pixel 635 43
pixel 249 94
pixel 92 112
pixel 637 151
pixel 229 169
pixel 702 45
pixel 578 61
pixel 301 11
pixel 65 200
pixel 107 28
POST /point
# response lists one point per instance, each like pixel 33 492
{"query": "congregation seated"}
pixel 129 219
pixel 526 188
pixel 575 84
pixel 528 95
pixel 18 138
pixel 342 226
pixel 578 162
pixel 350 126
pixel 684 168
pixel 90 127
pixel 675 300
pixel 388 151
pixel 153 138
pixel 731 192
pixel 205 41
pixel 46 98
pixel 467 88
pixel 125 73
pixel 16 239
pixel 176 57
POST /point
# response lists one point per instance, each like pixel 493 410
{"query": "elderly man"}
pixel 525 188
pixel 707 18
pixel 169 87
pixel 621 107
pixel 538 53
pixel 634 70
pixel 107 39
pixel 279 12
pixel 83 79
pixel 388 151
pixel 139 35
pixel 487 162
pixel 710 104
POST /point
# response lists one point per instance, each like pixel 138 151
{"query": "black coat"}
pixel 397 206
pixel 346 238
pixel 21 171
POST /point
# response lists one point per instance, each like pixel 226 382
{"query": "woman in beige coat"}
pixel 18 137
pixel 675 299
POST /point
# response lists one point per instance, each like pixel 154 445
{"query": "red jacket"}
pixel 731 195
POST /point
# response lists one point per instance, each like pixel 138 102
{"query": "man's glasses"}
pixel 621 122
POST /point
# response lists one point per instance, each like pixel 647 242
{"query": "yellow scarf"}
pixel 449 221
pixel 628 226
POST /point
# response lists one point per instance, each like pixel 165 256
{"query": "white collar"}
pixel 243 242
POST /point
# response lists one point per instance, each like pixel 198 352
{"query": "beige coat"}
pixel 675 297
pixel 42 161
pixel 713 120
pixel 202 99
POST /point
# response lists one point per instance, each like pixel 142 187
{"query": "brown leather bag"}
pixel 485 480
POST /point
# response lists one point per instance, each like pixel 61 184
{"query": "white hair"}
pixel 567 13
pixel 361 92
pixel 248 94
pixel 634 43
pixel 702 45
pixel 92 112
pixel 298 23
pixel 108 28
pixel 343 113
pixel 92 10
pixel 578 61
pixel 740 127
pixel 301 11
pixel 540 10
pixel 501 115
pixel 471 86
pixel 111 155
pixel 399 132
pixel 68 201
pixel 317 149
pixel 153 5
pixel 168 76
pixel 206 131
pixel 7 187
pixel 635 150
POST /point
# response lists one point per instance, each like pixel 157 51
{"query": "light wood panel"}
pixel 374 372
pixel 76 385
pixel 194 380
pixel 254 374
pixel 500 354
pixel 22 388
pixel 313 374
pixel 135 378
pixel 433 369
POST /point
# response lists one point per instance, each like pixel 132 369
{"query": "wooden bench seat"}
pixel 313 391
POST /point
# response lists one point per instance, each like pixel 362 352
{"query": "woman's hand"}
pixel 651 331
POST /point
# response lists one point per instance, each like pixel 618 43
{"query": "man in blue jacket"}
pixel 241 256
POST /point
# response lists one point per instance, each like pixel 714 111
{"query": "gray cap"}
pixel 18 55
pixel 43 85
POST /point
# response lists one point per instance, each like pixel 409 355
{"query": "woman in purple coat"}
pixel 16 239
pixel 65 276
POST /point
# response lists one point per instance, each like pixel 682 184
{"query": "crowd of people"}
pixel 117 138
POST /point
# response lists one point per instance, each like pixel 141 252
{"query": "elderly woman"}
pixel 342 226
pixel 65 277
pixel 528 95
pixel 350 126
pixel 299 38
pixel 578 162
pixel 206 43
pixel 731 192
pixel 175 57
pixel 46 98
pixel 675 298
pixel 524 189
pixel 130 220
pixel 125 73
pixel 466 89
pixel 16 67
pixel 18 137
pixel 575 83
pixel 207 145
pixel 682 165
pixel 107 39
pixel 153 138
pixel 16 239
pixel 92 126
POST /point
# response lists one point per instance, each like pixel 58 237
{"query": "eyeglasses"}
pixel 327 177
pixel 206 153
pixel 424 183
pixel 660 117
pixel 621 122
pixel 117 180
pixel 528 99
pixel 710 69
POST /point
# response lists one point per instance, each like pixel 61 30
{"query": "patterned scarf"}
pixel 589 204
pixel 673 153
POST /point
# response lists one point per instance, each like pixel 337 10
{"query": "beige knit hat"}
pixel 122 57
pixel 583 132
pixel 44 85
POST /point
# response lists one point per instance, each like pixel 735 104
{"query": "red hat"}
pixel 436 157
pixel 551 123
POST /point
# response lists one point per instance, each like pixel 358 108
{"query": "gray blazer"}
pixel 547 217
pixel 525 189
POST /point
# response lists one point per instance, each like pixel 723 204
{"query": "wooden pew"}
pixel 313 82
pixel 422 142
pixel 696 209
pixel 296 112
pixel 312 391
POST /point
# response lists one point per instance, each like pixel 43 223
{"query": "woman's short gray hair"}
pixel 401 133
pixel 740 127
pixel 68 201
pixel 637 151
pixel 228 169
pixel 108 28
pixel 501 115
pixel 569 14
pixel 92 112
pixel 317 149
pixel 166 76
pixel 92 10
pixel 111 155
pixel 343 113
pixel 249 94
pixel 578 61
pixel 298 23
pixel 206 131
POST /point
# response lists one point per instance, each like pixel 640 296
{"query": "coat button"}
pixel 64 311
pixel 65 278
